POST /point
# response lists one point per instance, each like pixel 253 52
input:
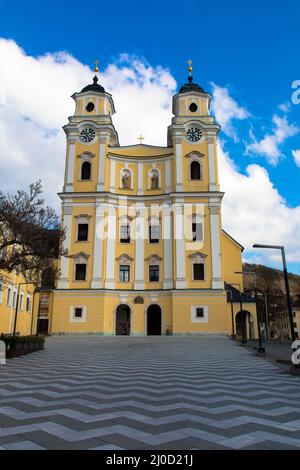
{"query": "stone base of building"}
pixel 141 313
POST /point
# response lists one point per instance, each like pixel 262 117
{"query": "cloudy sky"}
pixel 44 58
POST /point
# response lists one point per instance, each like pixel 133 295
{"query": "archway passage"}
pixel 154 320
pixel 123 320
pixel 244 325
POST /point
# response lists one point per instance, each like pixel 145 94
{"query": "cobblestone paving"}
pixel 147 393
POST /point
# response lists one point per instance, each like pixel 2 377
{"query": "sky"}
pixel 247 58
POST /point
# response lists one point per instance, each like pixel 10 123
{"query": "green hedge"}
pixel 12 340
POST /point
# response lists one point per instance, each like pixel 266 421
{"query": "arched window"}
pixel 86 171
pixel 195 170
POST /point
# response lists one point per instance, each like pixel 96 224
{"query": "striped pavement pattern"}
pixel 115 393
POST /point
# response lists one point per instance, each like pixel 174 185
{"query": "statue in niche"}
pixel 154 181
pixel 126 180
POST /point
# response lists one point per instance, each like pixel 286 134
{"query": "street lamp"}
pixel 286 281
pixel 17 304
pixel 244 341
pixel 261 349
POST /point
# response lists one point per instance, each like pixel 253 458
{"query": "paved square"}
pixel 147 393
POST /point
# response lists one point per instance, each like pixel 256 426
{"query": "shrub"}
pixel 12 340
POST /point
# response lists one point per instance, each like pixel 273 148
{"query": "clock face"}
pixel 194 134
pixel 87 135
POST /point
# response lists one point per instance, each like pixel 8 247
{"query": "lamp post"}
pixel 17 304
pixel 244 341
pixel 286 281
pixel 261 349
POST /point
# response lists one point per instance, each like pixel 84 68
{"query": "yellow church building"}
pixel 147 253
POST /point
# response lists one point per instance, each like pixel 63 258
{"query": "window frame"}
pixel 192 162
pixel 157 268
pixel 81 170
pixel 122 225
pixel 87 231
pixel 124 272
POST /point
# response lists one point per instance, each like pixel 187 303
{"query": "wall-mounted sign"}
pixel 138 300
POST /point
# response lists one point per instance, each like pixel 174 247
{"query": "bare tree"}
pixel 30 233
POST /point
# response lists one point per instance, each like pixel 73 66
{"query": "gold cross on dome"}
pixel 190 68
pixel 96 68
pixel 141 138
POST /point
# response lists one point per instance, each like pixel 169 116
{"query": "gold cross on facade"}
pixel 141 138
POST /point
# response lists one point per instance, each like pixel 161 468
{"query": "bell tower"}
pixel 89 131
pixel 193 130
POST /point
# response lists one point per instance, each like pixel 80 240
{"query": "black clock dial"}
pixel 87 135
pixel 194 134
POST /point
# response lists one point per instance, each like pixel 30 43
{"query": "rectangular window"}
pixel 197 232
pixel 1 292
pixel 124 273
pixel 21 301
pixel 154 233
pixel 154 273
pixel 78 312
pixel 199 312
pixel 198 271
pixel 14 299
pixel 125 234
pixel 8 296
pixel 83 232
pixel 28 304
pixel 80 272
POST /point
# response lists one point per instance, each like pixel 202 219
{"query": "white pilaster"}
pixel 167 176
pixel 139 247
pixel 168 255
pixel 140 178
pixel 70 170
pixel 217 282
pixel 180 247
pixel 110 251
pixel 63 281
pixel 178 160
pixel 98 247
pixel 102 141
pixel 112 186
pixel 211 163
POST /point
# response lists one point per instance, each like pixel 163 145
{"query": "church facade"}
pixel 147 254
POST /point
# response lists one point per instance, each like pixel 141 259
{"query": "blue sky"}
pixel 249 48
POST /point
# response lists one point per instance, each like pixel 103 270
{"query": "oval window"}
pixel 193 107
pixel 90 107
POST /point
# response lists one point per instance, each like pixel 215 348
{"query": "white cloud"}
pixel 270 145
pixel 255 212
pixel 35 102
pixel 296 155
pixel 226 110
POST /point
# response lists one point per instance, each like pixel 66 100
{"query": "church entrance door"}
pixel 123 315
pixel 154 320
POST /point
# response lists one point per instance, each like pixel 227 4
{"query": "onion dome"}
pixel 95 87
